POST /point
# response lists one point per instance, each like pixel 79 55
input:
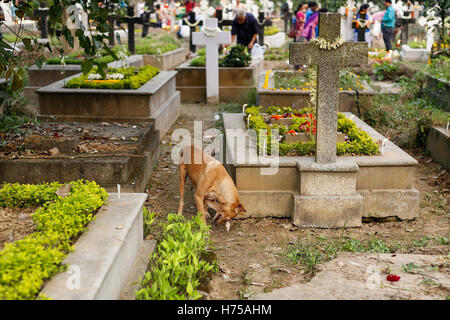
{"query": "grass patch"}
pixel 157 44
pixel 309 252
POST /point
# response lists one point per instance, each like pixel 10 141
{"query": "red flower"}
pixel 56 134
pixel 291 132
pixel 393 278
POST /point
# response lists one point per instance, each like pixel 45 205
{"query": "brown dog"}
pixel 214 187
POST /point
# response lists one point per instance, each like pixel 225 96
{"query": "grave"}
pixel 50 73
pixel 165 61
pixel 235 84
pixel 108 153
pixel 211 37
pixel 155 101
pixel 325 191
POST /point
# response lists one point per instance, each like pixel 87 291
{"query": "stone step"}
pixel 105 254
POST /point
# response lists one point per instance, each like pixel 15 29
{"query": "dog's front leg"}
pixel 183 174
pixel 199 202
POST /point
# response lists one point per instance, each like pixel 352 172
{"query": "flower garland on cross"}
pixel 325 44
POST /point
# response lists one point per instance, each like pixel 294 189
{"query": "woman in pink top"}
pixel 300 20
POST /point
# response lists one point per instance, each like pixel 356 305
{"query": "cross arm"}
pixel 353 54
pixel 303 53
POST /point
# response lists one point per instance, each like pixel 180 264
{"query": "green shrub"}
pixel 177 263
pixel 238 57
pixel 386 70
pixel 26 264
pixel 359 142
pixel 198 62
pixel 130 81
pixel 417 44
pixel 105 59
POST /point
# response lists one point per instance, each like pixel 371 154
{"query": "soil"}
pixel 253 254
pixel 15 224
pixel 74 139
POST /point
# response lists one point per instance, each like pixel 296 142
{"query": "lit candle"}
pixel 118 191
pixel 243 108
pixel 248 120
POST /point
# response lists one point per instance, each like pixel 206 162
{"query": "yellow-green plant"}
pixel 26 264
pixel 177 266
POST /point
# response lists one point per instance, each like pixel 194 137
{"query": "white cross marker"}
pixel 211 37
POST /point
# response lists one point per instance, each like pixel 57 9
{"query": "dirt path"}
pixel 253 256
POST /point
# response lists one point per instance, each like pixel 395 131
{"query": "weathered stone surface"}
pixel 438 143
pixel 260 203
pixel 403 204
pixel 327 183
pixel 45 143
pixel 249 178
pixel 359 276
pixel 328 211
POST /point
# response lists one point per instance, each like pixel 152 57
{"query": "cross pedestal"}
pixel 327 192
pixel 211 37
pixel 328 63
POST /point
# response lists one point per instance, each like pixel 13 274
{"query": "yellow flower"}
pixel 288 89
pixel 281 88
pixel 341 89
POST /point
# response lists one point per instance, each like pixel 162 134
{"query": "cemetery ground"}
pixel 260 255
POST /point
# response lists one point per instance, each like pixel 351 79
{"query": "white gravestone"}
pixel 211 37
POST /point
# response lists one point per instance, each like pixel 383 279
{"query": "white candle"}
pixel 243 108
pixel 382 146
pixel 118 191
pixel 248 120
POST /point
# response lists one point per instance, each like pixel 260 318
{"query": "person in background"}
pixel 300 19
pixel 245 28
pixel 159 16
pixel 311 28
pixel 364 10
pixel 189 5
pixel 388 24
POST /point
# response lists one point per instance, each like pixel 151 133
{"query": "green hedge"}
pixel 177 267
pixel 105 59
pixel 157 45
pixel 359 142
pixel 26 264
pixel 131 80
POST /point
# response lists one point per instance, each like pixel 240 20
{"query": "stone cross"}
pixel 211 37
pixel 328 63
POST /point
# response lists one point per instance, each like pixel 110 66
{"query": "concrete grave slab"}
pixel 438 144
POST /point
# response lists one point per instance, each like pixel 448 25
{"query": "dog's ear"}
pixel 240 209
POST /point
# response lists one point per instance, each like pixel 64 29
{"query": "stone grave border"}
pixel 105 254
pixel 166 61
